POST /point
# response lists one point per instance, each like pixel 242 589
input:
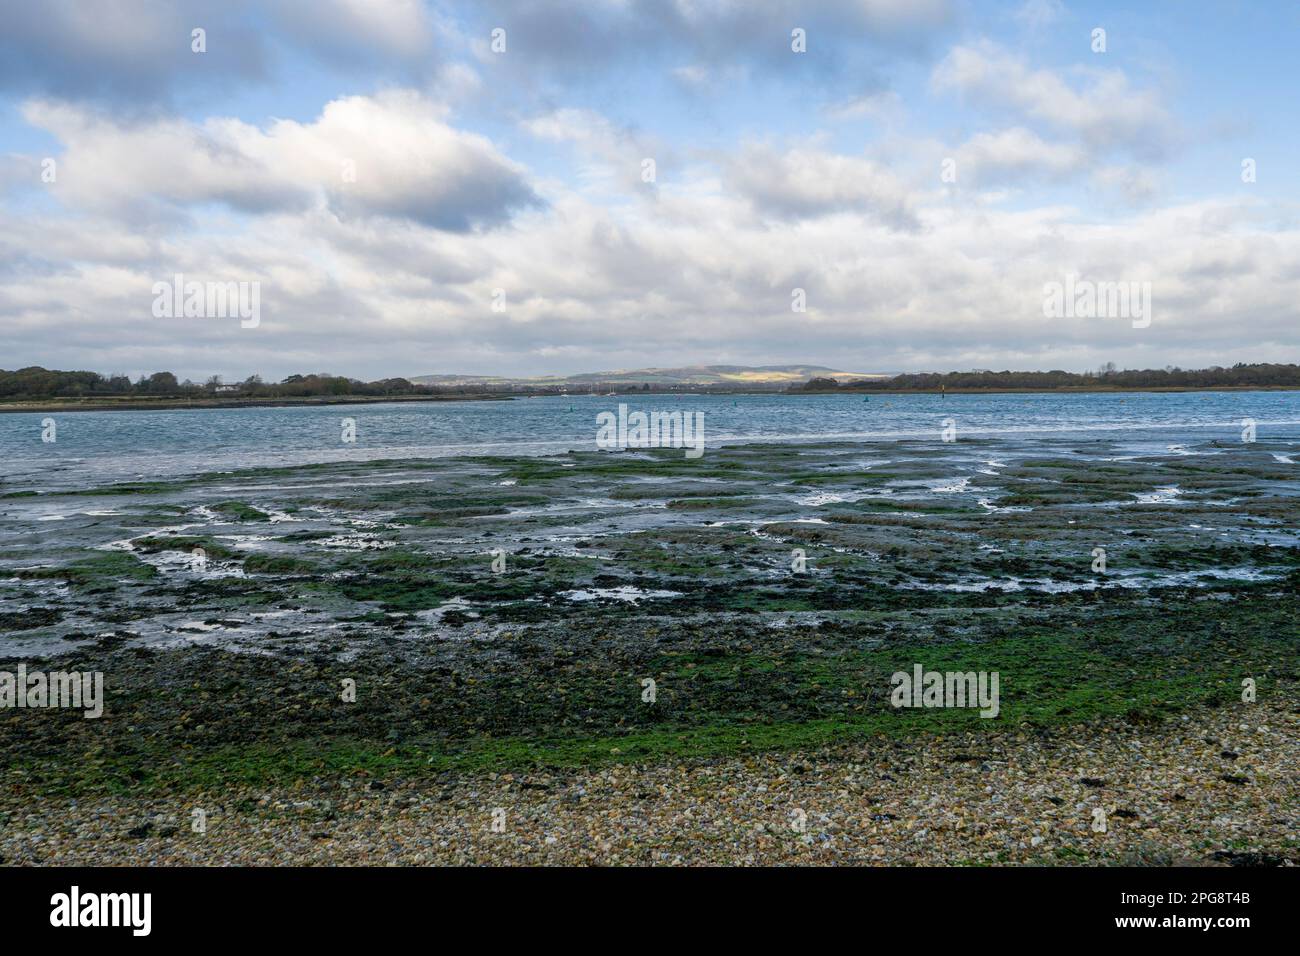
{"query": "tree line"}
pixel 41 384
pixel 1261 375
pixel 38 384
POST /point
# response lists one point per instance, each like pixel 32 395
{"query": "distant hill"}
pixel 690 375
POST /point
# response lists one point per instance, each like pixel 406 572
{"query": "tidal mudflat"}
pixel 636 640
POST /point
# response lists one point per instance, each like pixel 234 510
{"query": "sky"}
pixel 529 188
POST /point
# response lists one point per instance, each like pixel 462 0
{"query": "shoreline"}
pixel 1210 789
pixel 173 405
pixel 135 405
pixel 1067 389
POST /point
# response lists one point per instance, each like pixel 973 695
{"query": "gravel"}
pixel 1213 787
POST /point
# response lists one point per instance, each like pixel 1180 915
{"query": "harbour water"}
pixel 95 448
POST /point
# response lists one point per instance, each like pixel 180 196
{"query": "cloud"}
pixel 1101 109
pixel 612 154
pixel 1039 14
pixel 572 40
pixel 131 50
pixel 805 183
pixel 1134 184
pixel 590 285
pixel 390 155
pixel 578 31
pixel 392 270
pixel 364 31
pixel 692 76
pixel 137 53
pixel 1094 127
pixel 1012 155
pixel 875 104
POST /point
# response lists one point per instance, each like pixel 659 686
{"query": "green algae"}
pixel 749 655
pixel 240 511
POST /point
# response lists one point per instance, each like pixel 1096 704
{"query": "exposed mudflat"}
pixel 502 616
pixel 333 555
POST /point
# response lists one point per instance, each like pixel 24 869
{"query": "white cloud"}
pixel 693 75
pixel 394 273
pixel 806 183
pixel 1038 14
pixel 876 104
pixel 611 154
pixel 1012 155
pixel 1135 184
pixel 1101 110
pixel 694 275
pixel 388 155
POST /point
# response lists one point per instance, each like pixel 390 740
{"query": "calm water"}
pixel 93 448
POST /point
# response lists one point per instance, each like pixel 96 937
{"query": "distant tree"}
pixel 162 383
pixel 821 384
